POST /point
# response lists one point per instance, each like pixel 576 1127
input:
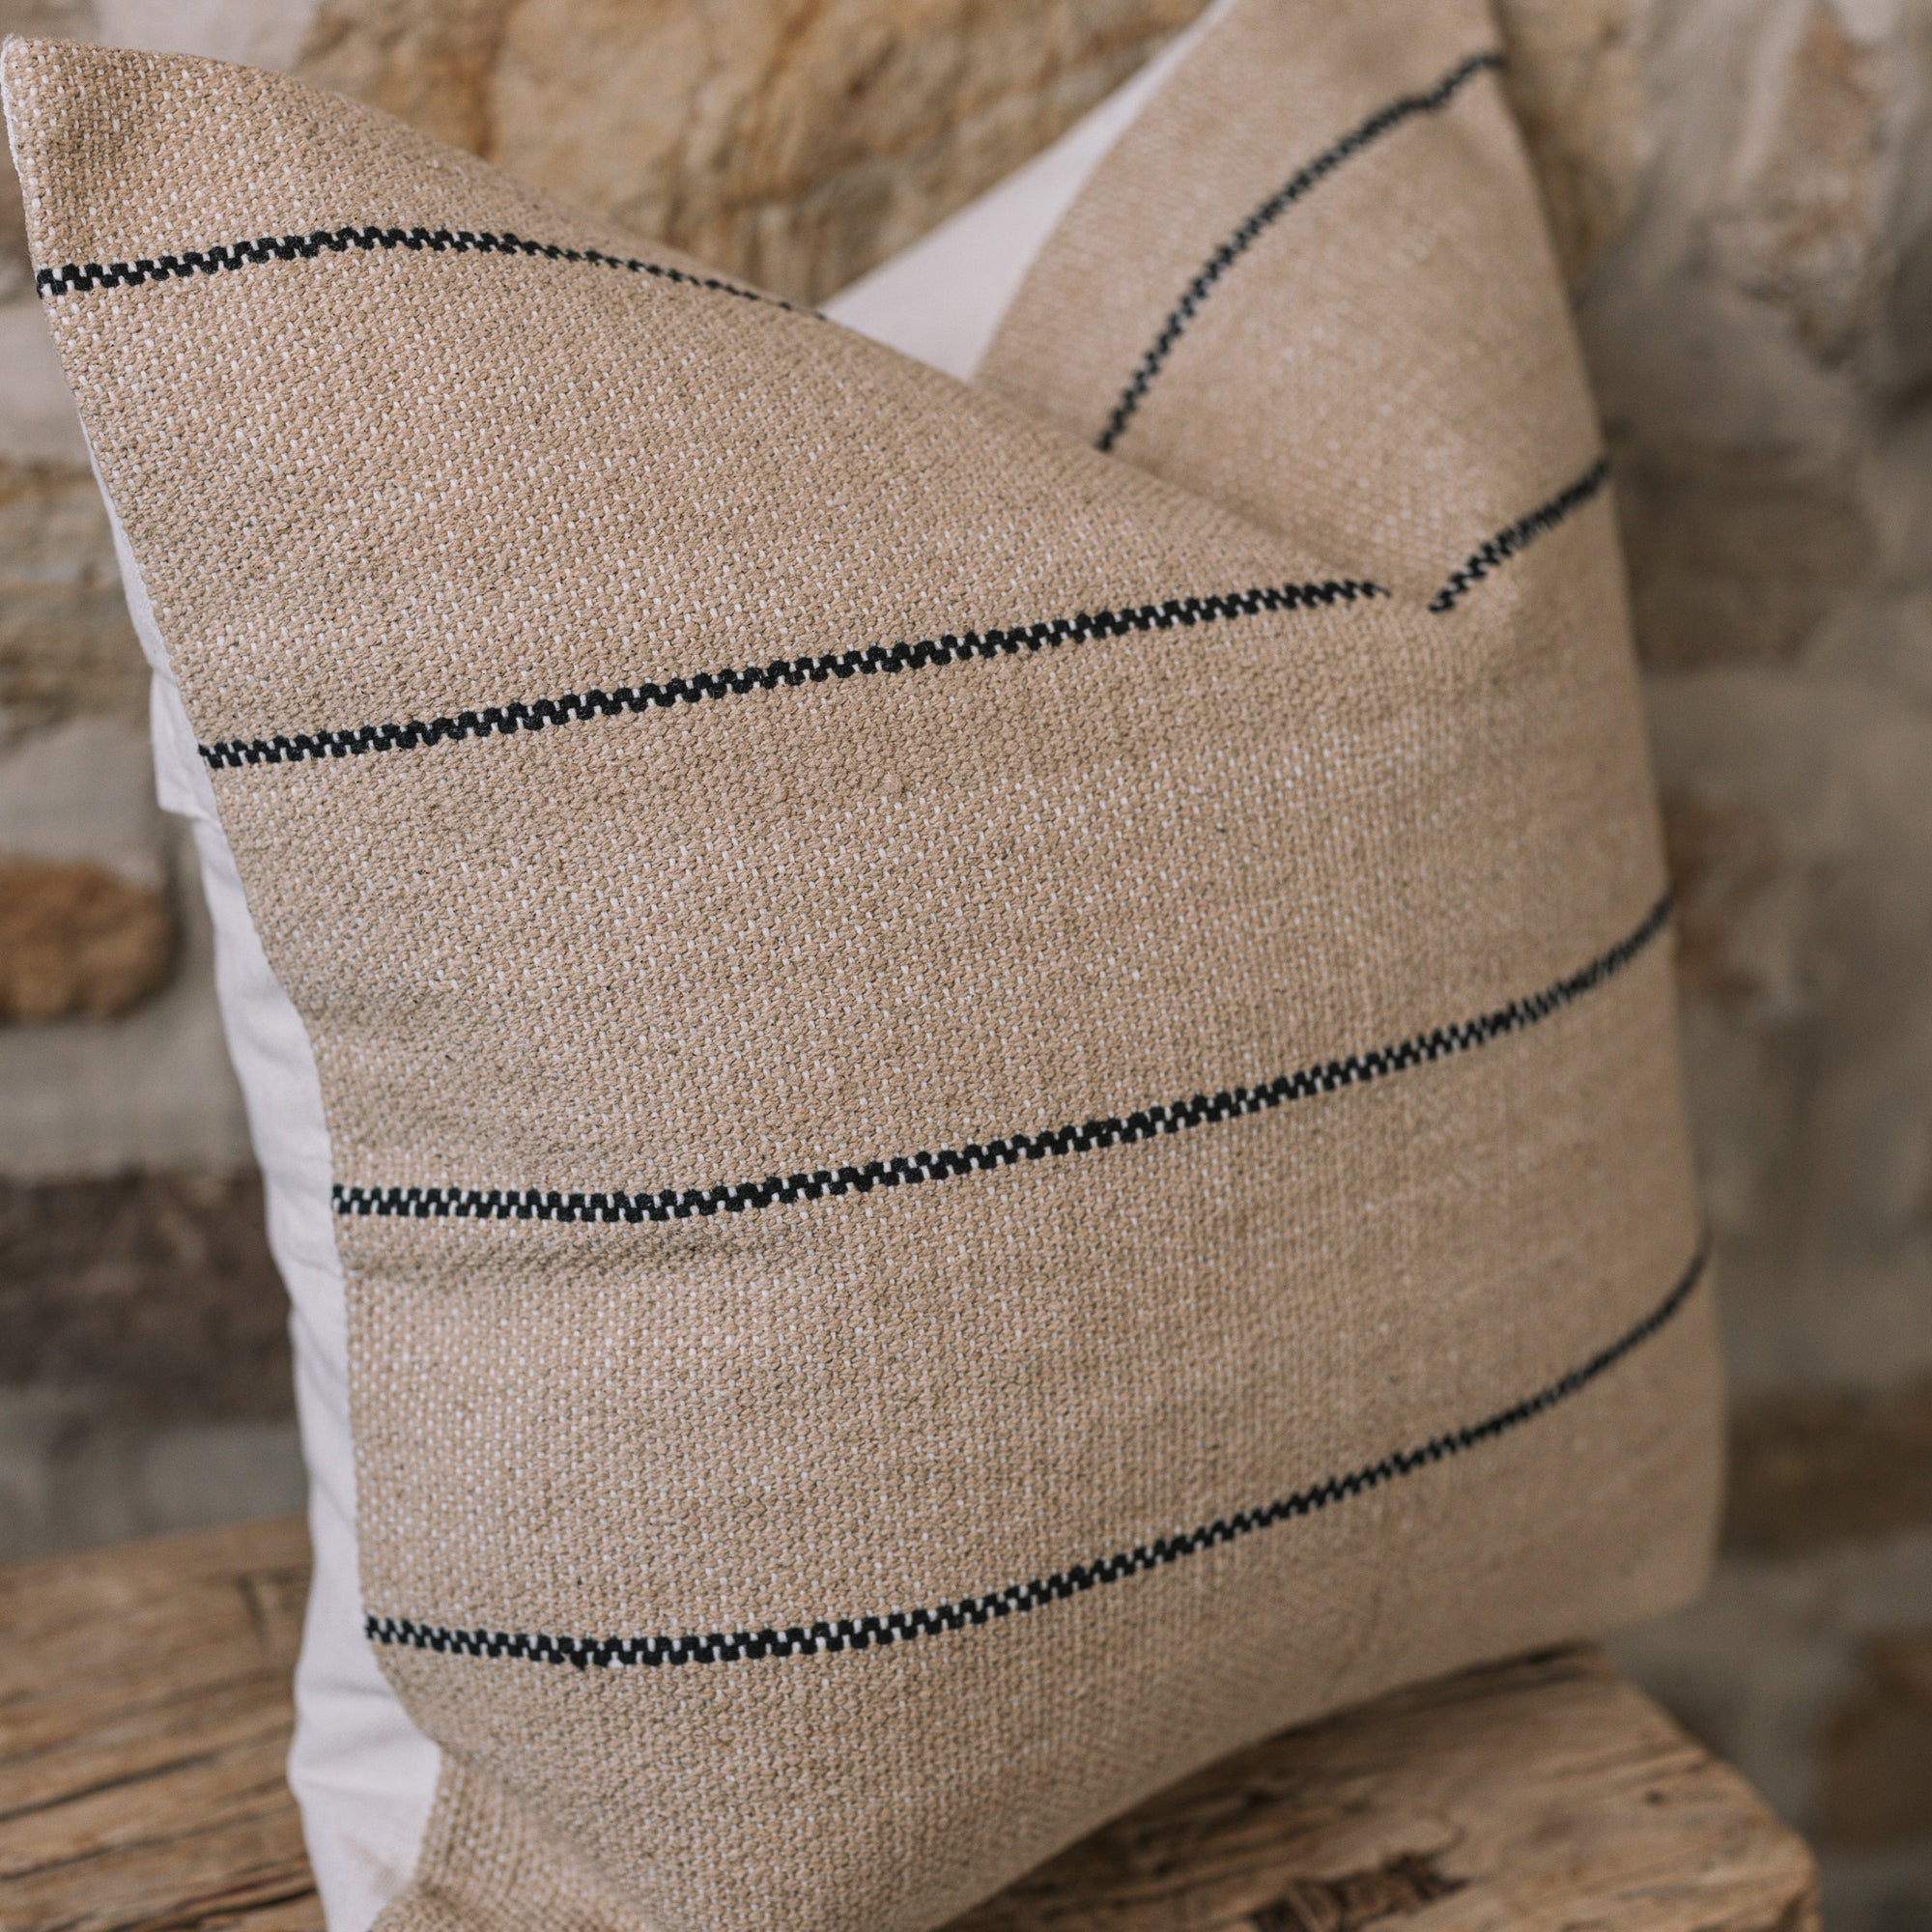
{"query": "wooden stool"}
pixel 144 1718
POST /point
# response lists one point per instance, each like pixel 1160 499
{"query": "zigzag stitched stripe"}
pixel 1505 544
pixel 1199 1110
pixel 1403 108
pixel 874 661
pixel 1016 1598
pixel 78 276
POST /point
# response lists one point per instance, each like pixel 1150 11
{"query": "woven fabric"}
pixel 1003 1112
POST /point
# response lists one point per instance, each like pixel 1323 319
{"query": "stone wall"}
pixel 1742 190
pixel 1757 311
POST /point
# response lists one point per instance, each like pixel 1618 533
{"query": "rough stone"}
pixel 1760 1668
pixel 796 142
pixel 1876 1765
pixel 76 940
pixel 154 1289
pixel 79 1469
pixel 1797 802
pixel 67 647
pixel 87 925
pixel 431 62
pixel 62 19
pixel 85 790
pixel 153 1089
pixel 1808 238
pixel 1575 79
pixel 92 1096
pixel 1812 1468
pixel 1877 1891
pixel 1736 321
pixel 1739 895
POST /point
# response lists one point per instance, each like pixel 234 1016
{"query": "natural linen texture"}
pixel 1003 1112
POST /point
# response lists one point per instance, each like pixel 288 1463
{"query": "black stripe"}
pixel 875 661
pixel 1403 107
pixel 1016 1598
pixel 1505 544
pixel 78 276
pixel 1199 1110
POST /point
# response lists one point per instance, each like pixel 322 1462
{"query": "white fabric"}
pixel 363 1775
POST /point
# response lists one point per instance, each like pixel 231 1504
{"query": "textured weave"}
pixel 1002 1115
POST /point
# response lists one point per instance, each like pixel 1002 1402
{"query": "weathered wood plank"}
pixel 1546 1794
pixel 144 1722
pixel 144 1718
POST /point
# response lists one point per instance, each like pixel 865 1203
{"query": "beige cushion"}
pixel 996 1123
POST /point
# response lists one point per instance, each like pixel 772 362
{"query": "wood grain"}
pixel 144 1718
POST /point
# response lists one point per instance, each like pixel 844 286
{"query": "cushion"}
pixel 364 1775
pixel 1000 1112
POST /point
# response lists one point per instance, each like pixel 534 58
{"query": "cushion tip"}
pixel 26 55
pixel 19 54
pixel 88 140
